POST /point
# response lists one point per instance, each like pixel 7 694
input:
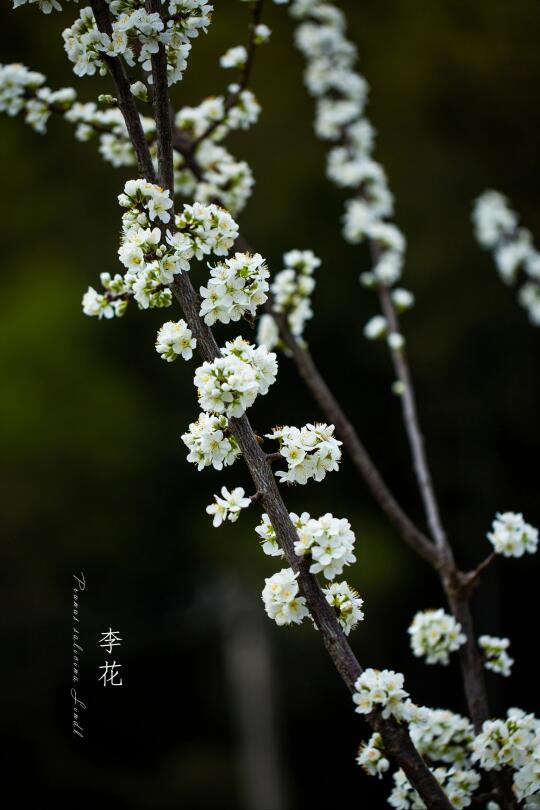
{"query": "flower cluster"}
pixel 109 126
pixel 372 757
pixel 496 657
pixel 211 229
pixel 376 689
pixel 459 786
pixel 136 35
pixel 23 89
pixel 223 117
pixel 152 257
pixel 513 743
pixel 221 176
pixel 228 506
pixel 341 95
pixel 347 604
pixel 16 83
pixel 310 452
pixel 292 288
pixel 146 202
pixel 109 304
pixel 234 58
pixel 231 383
pixel 210 443
pixel 281 600
pixel 328 541
pixel 511 536
pixel 496 229
pixel 442 736
pixel 434 635
pixel 291 292
pixel 236 288
pixel 174 340
pixel 444 740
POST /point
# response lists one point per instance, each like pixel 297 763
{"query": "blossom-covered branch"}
pixel 166 229
pixel 497 229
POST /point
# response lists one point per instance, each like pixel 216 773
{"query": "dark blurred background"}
pixel 219 707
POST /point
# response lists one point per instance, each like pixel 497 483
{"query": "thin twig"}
pixel 412 427
pixel 354 446
pixel 233 98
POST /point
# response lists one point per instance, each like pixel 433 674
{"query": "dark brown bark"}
pixel 162 111
pixel 126 101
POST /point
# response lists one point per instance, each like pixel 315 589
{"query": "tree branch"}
pixel 352 443
pixel 396 736
pixel 412 427
pixel 126 101
pixel 244 79
pixel 162 110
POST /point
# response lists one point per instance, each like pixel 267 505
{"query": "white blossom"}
pixel 236 287
pixel 347 604
pixel 459 786
pixel 210 442
pixel 109 304
pixel 234 58
pixel 529 298
pixel 434 635
pixel 441 735
pixel 511 536
pixel 15 80
pixel 496 657
pixel 136 36
pixel 153 258
pixel 262 34
pixel 231 383
pixel 269 542
pixel 493 218
pixel 292 289
pixel 381 689
pixel 496 228
pixel 281 598
pixel 228 506
pixel 139 90
pixel 402 299
pixel 310 451
pixel 174 340
pixel 267 332
pixel 46 6
pixel 356 220
pixel 211 228
pixel 372 757
pixel 98 305
pixel 511 256
pixel 513 743
pixel 376 328
pixel 329 542
pixel 387 270
pixel 396 341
